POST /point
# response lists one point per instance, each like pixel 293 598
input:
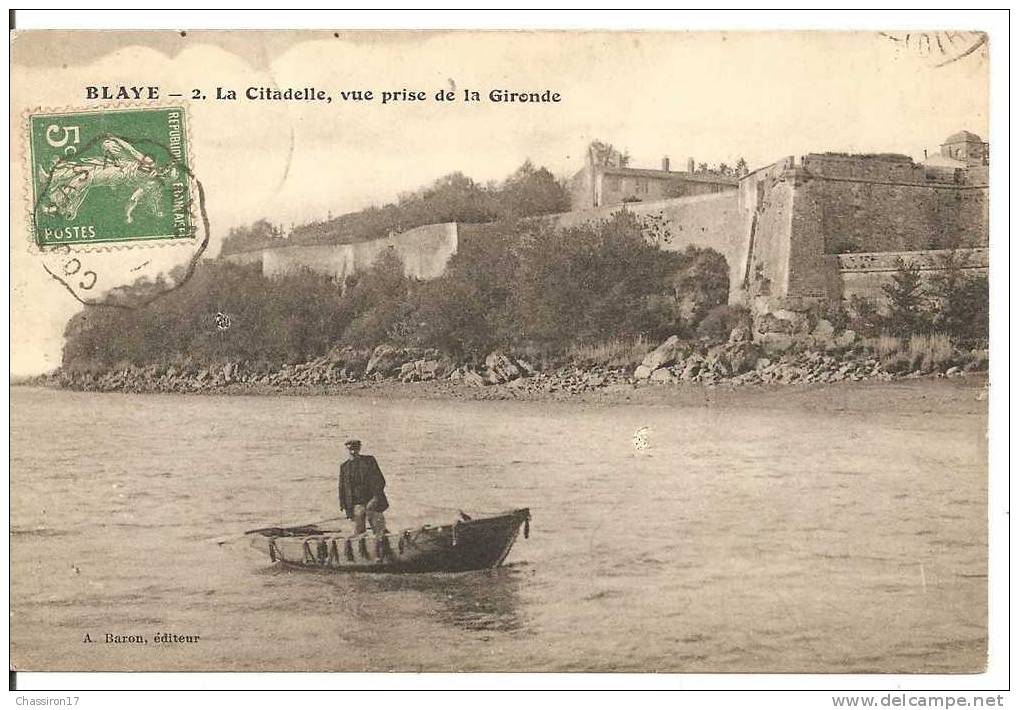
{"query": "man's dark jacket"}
pixel 361 480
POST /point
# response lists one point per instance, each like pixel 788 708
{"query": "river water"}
pixel 741 539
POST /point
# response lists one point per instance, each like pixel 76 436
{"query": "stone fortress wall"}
pixel 423 250
pixel 796 233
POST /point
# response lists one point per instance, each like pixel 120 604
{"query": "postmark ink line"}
pixel 192 265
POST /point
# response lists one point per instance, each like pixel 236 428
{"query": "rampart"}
pixel 423 250
pixel 827 227
pixel 865 275
pixel 244 257
pixel 874 205
pixel 795 234
pixel 713 220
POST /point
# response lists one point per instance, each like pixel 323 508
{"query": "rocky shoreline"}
pixel 745 360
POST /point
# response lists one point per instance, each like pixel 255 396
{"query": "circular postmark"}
pixel 118 216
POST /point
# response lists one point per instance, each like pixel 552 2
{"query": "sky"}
pixel 710 96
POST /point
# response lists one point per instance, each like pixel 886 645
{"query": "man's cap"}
pixel 352 442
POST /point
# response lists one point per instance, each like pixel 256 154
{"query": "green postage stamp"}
pixel 110 176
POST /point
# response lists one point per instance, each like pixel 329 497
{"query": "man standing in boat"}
pixel 362 490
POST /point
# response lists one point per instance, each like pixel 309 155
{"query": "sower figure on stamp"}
pixel 362 490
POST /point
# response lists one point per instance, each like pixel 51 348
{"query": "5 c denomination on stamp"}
pixel 110 176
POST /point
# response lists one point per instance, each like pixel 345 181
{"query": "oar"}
pixel 233 536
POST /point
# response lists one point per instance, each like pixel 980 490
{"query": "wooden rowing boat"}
pixel 467 544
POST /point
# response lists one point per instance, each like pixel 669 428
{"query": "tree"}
pixel 455 197
pixel 289 319
pixel 530 191
pixel 959 298
pixel 380 301
pixel 906 302
pixel 590 283
pixel 741 167
pixel 700 283
pixel 469 309
pixel 452 198
pixel 259 235
pixel 605 155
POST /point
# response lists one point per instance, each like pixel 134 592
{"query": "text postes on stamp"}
pixel 110 176
pixel 117 215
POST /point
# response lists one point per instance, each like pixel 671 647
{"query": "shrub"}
pixel 512 286
pixel 699 284
pixel 954 301
pixel 720 321
pixel 379 300
pixel 920 351
pixel 590 283
pixel 293 318
pixel 469 310
pixel 884 345
pixel 863 316
pixel 930 352
pixel 960 300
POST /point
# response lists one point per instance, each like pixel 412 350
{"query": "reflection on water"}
pixel 487 600
pixel 742 540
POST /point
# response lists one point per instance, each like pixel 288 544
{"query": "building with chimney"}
pixel 608 182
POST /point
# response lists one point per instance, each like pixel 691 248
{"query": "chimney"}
pixel 665 164
pixel 925 154
pixel 689 165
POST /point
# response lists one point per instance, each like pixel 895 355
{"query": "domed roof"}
pixel 964 137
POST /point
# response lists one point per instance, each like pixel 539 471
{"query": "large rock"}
pixel 662 375
pixel 409 372
pixel 501 368
pixel 664 354
pixel 823 333
pixel 776 342
pixel 642 372
pixel 385 360
pixel 798 319
pixel 529 369
pixel 472 378
pixel 740 334
pixel 846 339
pixel 769 323
pixel 692 368
pixel 782 321
pixel 432 369
pixel 741 357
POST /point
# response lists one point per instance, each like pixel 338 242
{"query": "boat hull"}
pixel 462 546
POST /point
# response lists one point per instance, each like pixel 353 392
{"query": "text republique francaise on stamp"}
pixel 110 176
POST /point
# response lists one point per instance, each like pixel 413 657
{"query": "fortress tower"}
pixel 967 148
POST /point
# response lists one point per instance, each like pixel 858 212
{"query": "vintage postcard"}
pixel 543 351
